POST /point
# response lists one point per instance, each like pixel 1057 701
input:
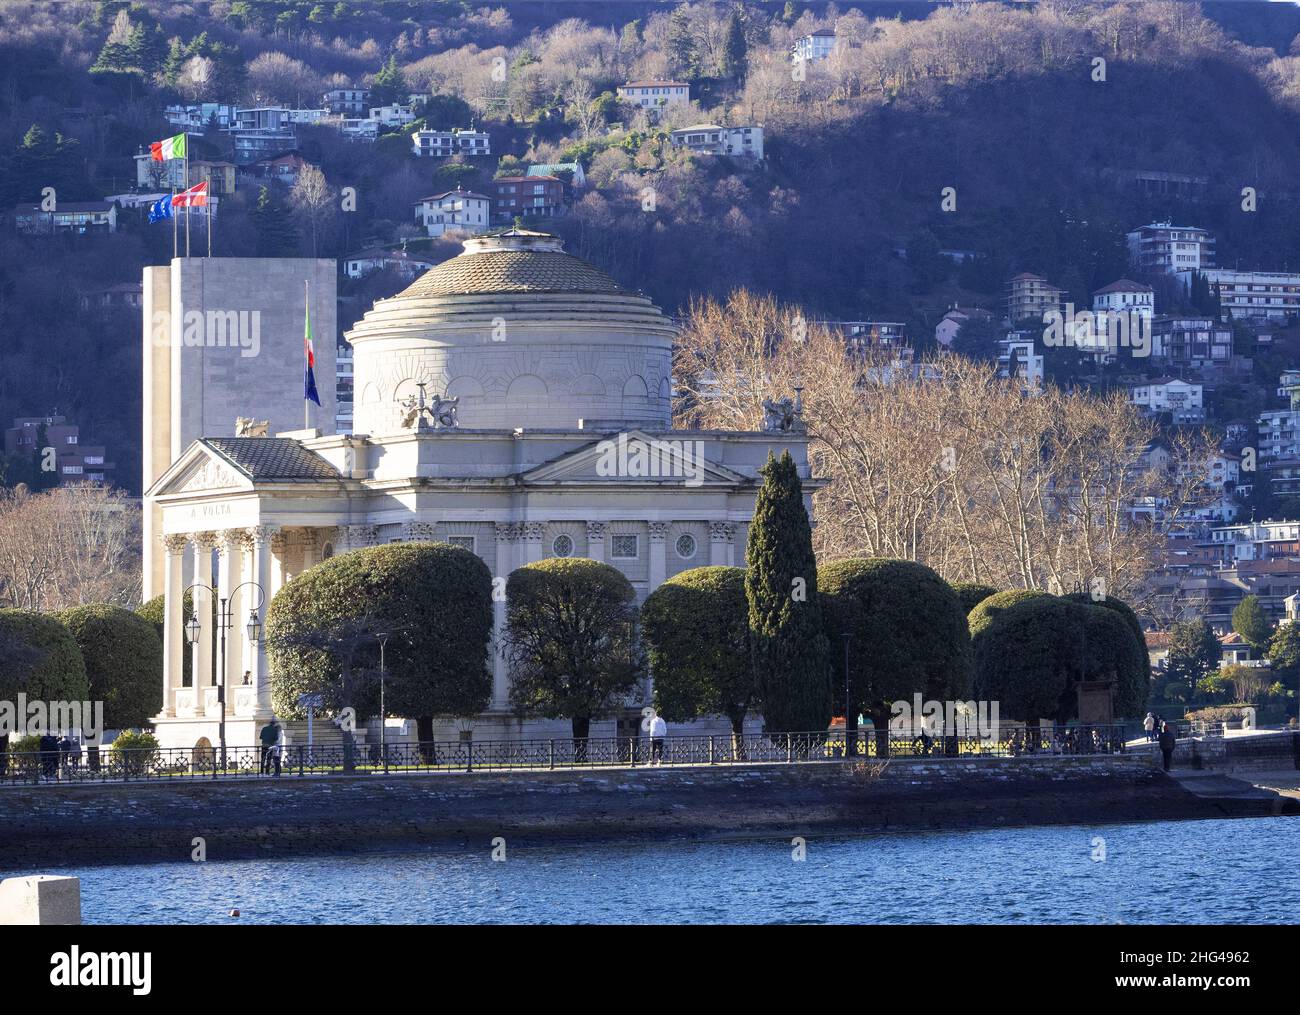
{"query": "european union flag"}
pixel 160 211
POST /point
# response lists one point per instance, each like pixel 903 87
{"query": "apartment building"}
pixel 1165 247
pixel 711 139
pixel 443 143
pixel 453 211
pixel 1257 295
pixel 528 197
pixel 1030 296
pixel 814 46
pixel 73 461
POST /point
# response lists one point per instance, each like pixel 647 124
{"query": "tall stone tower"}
pixel 223 337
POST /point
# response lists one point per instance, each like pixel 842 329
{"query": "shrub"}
pixel 972 594
pixel 908 633
pixel 696 630
pixel 134 753
pixel 123 658
pixel 434 601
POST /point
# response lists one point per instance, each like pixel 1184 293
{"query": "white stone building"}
pixel 555 367
pixel 815 46
pixel 1163 246
pixel 655 96
pixel 712 139
pixel 1270 295
pixel 453 211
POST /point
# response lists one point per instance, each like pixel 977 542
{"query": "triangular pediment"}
pixel 200 469
pixel 635 456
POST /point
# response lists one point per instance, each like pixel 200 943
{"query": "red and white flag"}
pixel 195 197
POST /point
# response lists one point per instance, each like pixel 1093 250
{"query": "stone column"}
pixel 232 557
pixel 311 545
pixel 261 539
pixel 596 541
pixel 722 536
pixel 204 543
pixel 658 553
pixel 279 547
pixel 173 621
pixel 532 536
pixel 507 540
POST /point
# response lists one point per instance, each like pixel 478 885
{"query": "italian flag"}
pixel 171 148
pixel 195 197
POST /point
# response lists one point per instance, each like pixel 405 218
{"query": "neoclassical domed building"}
pixel 515 400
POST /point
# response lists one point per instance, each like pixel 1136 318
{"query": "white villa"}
pixel 532 364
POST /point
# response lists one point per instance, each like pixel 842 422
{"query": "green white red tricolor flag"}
pixel 170 148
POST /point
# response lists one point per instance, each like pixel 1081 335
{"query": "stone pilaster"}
pixel 658 553
pixel 722 538
pixel 532 537
pixel 596 540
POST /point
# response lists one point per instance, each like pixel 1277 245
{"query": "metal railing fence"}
pixel 555 753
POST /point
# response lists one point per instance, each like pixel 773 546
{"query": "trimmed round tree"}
pixel 154 611
pixel 696 631
pixel 907 635
pixel 1026 648
pixel 38 658
pixel 1132 664
pixel 972 594
pixel 785 625
pixel 571 626
pixel 123 658
pixel 433 600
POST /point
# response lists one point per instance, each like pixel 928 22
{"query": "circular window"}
pixel 686 546
pixel 562 546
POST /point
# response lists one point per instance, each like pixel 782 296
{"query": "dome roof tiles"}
pixel 513 271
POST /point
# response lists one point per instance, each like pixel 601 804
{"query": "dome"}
pixel 524 334
pixel 516 261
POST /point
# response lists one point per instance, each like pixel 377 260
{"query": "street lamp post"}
pixel 383 724
pixel 225 621
pixel 850 745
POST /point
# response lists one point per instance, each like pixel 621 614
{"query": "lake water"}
pixel 1180 872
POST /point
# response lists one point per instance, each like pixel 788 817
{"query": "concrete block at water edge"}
pixel 44 899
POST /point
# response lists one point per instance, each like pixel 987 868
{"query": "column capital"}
pixel 205 542
pixel 658 531
pixel 506 532
pixel 262 533
pixel 595 530
pixel 722 532
pixel 533 531
pixel 176 544
pixel 235 539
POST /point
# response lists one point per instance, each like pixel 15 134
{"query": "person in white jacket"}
pixel 658 731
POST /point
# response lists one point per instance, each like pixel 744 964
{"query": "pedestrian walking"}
pixel 658 731
pixel 1167 744
pixel 270 738
pixel 1149 724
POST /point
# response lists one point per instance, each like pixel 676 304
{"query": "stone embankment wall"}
pixel 1257 752
pixel 46 826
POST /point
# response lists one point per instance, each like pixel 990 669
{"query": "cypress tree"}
pixel 787 641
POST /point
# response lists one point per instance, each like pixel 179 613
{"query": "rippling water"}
pixel 1181 872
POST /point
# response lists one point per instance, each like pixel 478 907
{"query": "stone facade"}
pixel 223 337
pixel 518 480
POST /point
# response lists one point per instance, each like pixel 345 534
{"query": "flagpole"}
pixel 187 200
pixel 209 207
pixel 306 402
pixel 172 208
